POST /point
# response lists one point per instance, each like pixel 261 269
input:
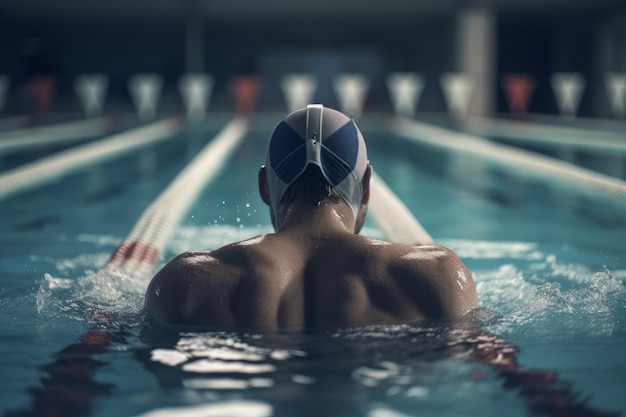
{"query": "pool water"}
pixel 548 263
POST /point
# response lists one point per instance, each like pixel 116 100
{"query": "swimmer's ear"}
pixel 263 189
pixel 366 184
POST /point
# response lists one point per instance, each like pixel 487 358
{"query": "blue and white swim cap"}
pixel 320 136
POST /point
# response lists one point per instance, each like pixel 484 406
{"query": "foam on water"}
pixel 80 289
pixel 538 293
pixel 586 311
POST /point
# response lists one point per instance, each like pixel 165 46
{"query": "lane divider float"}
pixel 12 123
pixel 53 167
pixel 140 251
pixel 62 133
pixel 510 157
pixel 542 134
pixel 393 217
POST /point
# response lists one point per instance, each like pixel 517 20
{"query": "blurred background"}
pixel 514 51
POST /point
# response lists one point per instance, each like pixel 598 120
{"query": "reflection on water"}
pixel 392 370
pixel 339 372
pixel 219 409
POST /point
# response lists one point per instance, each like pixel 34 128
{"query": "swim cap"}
pixel 320 136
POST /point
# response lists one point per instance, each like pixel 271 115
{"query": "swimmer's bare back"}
pixel 289 282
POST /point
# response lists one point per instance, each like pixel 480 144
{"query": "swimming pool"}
pixel 547 259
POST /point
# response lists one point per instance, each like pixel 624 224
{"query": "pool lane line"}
pixel 393 217
pixel 528 132
pixel 139 252
pixel 53 167
pixel 63 133
pixel 510 157
pixel 9 124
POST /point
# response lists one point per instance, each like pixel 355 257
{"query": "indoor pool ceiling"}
pixel 257 9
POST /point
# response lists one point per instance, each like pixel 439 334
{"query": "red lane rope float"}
pixel 140 251
pixel 135 251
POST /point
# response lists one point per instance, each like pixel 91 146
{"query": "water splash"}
pixel 101 295
pixel 538 292
pixel 504 288
pixel 594 310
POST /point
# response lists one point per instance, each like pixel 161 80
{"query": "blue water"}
pixel 548 263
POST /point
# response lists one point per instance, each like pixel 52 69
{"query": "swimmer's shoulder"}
pixel 435 276
pixel 194 287
pixel 231 255
pixel 405 251
pixel 219 269
pixel 415 261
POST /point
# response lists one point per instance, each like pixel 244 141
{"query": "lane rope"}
pixel 10 124
pixel 139 252
pixel 393 217
pixel 542 134
pixel 53 167
pixel 510 157
pixel 65 133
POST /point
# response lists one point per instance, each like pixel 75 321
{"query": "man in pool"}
pixel 315 271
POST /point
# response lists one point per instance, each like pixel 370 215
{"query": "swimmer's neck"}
pixel 327 217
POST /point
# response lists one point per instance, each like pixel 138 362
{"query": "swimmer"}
pixel 315 271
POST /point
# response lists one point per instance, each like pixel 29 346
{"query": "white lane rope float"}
pixel 53 167
pixel 393 217
pixel 57 134
pixel 550 135
pixel 545 167
pixel 10 124
pixel 140 251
